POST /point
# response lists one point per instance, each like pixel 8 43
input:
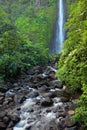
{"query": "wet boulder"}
pixel 43 88
pixel 33 94
pixel 14 117
pixel 56 84
pixel 9 129
pixel 71 128
pixel 69 122
pixel 3 88
pixel 52 75
pixel 3 126
pixel 50 69
pixel 65 99
pixel 49 95
pixel 6 119
pixel 45 125
pixel 47 102
pixel 1 100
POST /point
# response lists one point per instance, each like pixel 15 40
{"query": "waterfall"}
pixel 57 42
pixel 60 24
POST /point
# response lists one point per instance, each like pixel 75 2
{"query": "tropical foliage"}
pixel 72 68
pixel 25 30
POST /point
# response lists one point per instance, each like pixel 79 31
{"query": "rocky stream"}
pixel 37 101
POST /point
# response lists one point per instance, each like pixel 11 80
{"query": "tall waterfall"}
pixel 57 42
pixel 60 24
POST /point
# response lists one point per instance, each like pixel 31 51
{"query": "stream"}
pixel 36 112
pixel 37 101
pixel 45 107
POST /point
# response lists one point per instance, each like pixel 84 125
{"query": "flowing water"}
pixel 33 115
pixel 57 42
pixel 44 107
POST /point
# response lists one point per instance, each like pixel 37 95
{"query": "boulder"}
pixel 47 102
pixel 15 85
pixel 14 117
pixel 11 124
pixel 41 76
pixel 22 99
pixel 6 119
pixel 2 114
pixel 1 100
pixel 52 75
pixel 61 114
pixel 43 88
pixel 33 94
pixel 3 89
pixel 65 99
pixel 50 69
pixel 71 128
pixel 53 95
pixel 61 123
pixel 6 102
pixel 9 129
pixel 2 94
pixel 37 70
pixel 3 126
pixel 56 84
pixel 49 95
pixel 71 112
pixel 69 122
pixel 45 125
pixel 48 110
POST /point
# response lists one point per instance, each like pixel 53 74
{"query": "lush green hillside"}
pixel 72 68
pixel 25 30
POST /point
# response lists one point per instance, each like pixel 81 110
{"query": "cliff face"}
pixel 42 3
pixel 36 3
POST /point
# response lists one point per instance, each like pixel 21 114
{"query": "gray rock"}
pixel 47 102
pixel 3 125
pixel 57 84
pixel 11 124
pixel 45 125
pixel 2 114
pixel 3 89
pixel 14 117
pixel 61 114
pixel 41 76
pixel 33 94
pixel 69 122
pixel 50 69
pixel 6 119
pixel 2 94
pixel 9 129
pixel 1 100
pixel 65 99
pixel 43 88
pixel 49 94
pixel 52 75
pixel 15 85
pixel 6 102
pixel 71 128
pixel 22 99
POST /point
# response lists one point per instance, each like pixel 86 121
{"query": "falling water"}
pixel 60 23
pixel 57 42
